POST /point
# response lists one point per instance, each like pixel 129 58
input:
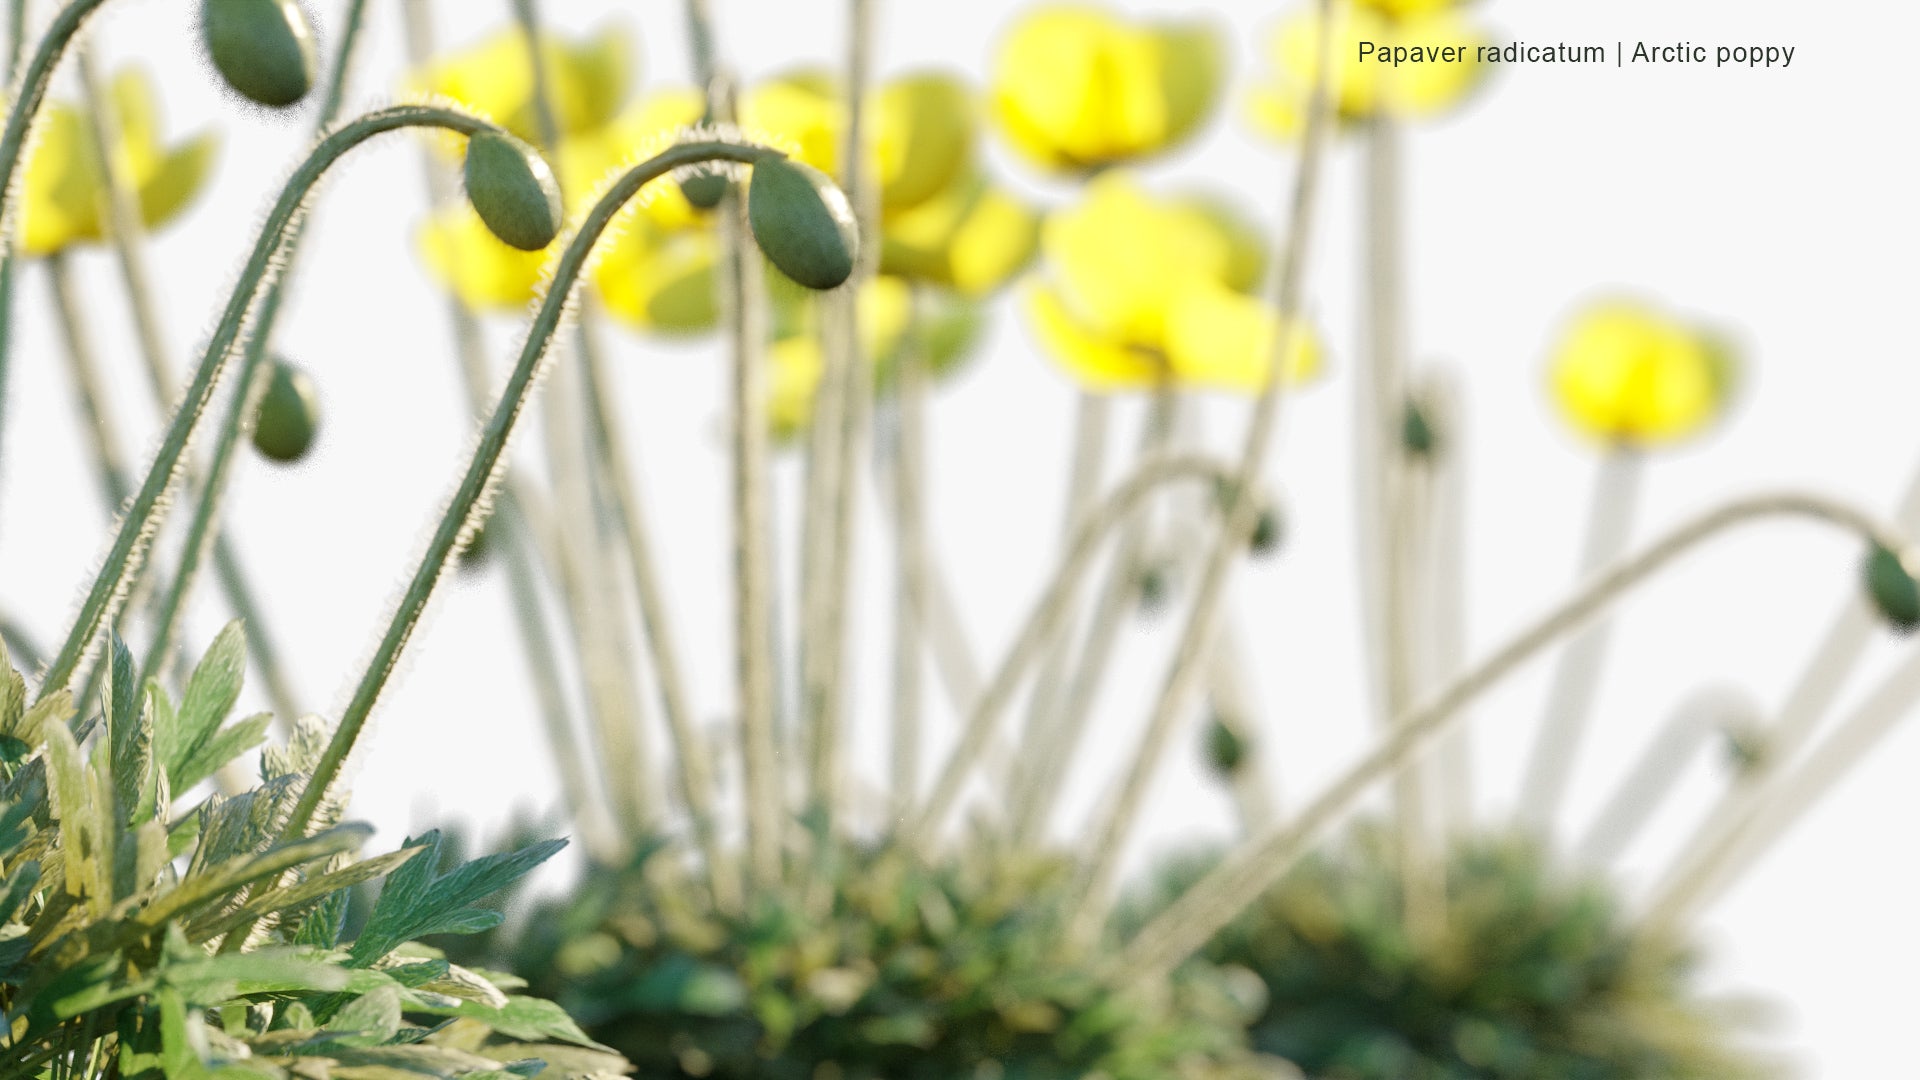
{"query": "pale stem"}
pixel 1445 593
pixel 1241 516
pixel 1094 530
pixel 1092 416
pixel 1576 673
pixel 910 567
pixel 468 506
pixel 16 45
pixel 753 558
pixel 1787 797
pixel 1057 721
pixel 583 497
pixel 1651 779
pixel 1244 876
pixel 1233 705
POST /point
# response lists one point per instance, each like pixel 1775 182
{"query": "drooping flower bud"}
pixel 1417 436
pixel 803 223
pixel 288 417
pixel 1268 532
pixel 513 190
pixel 1225 748
pixel 263 48
pixel 704 190
pixel 1891 587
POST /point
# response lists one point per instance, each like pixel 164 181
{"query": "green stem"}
pixel 1245 875
pixel 910 563
pixel 466 507
pixel 204 530
pixel 16 46
pixel 146 510
pixel 525 550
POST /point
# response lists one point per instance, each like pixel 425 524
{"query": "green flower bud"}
pixel 513 190
pixel 704 190
pixel 1268 532
pixel 1226 750
pixel 478 552
pixel 288 416
pixel 262 48
pixel 1156 588
pixel 1893 590
pixel 1745 746
pixel 1416 431
pixel 803 223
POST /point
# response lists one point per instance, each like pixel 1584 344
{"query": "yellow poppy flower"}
pixel 1630 374
pixel 62 185
pixel 1076 87
pixel 660 280
pixel 587 79
pixel 1363 88
pixel 1140 292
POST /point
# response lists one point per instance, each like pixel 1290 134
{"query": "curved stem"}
pixel 1094 529
pixel 1242 512
pixel 467 508
pixel 146 510
pixel 1217 898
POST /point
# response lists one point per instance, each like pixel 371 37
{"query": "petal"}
pixel 1043 82
pixel 1119 256
pixel 136 114
pixel 1239 233
pixel 1421 90
pixel 1191 67
pixel 600 70
pixel 794 367
pixel 660 281
pixel 1221 339
pixel 925 131
pixel 1096 363
pixel 482 271
pixel 169 187
pixel 972 237
pixel 884 307
pixel 59 185
pixel 803 110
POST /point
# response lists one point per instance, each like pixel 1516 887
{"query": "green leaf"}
pixel 368 1020
pixel 130 738
pixel 211 692
pixel 223 746
pixel 183 1038
pixel 416 903
pixel 293 898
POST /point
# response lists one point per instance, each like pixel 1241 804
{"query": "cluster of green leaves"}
pixel 888 968
pixel 143 938
pixel 1530 975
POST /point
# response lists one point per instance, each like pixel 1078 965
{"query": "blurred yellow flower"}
pixel 588 80
pixel 883 310
pixel 1630 374
pixel 1362 89
pixel 924 126
pixel 1077 87
pixel 1142 292
pixel 971 238
pixel 484 272
pixel 1405 8
pixel 63 187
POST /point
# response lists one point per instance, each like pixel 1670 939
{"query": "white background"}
pixel 1777 202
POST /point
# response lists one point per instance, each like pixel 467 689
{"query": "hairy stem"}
pixel 146 509
pixel 1219 897
pixel 467 506
pixel 1651 778
pixel 910 560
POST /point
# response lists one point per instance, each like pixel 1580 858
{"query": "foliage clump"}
pixel 1529 974
pixel 887 968
pixel 148 934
